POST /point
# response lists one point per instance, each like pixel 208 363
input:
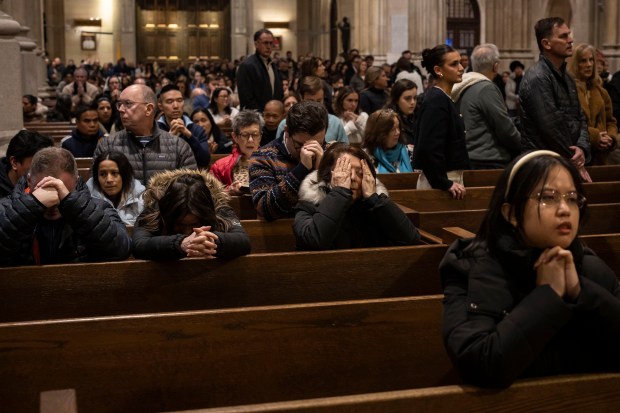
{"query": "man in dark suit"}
pixel 258 79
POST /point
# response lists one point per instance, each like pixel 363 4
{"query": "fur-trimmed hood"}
pixel 159 182
pixel 314 191
pixel 469 79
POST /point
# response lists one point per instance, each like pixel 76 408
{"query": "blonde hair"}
pixel 573 65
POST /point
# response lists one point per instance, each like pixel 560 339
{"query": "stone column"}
pixel 509 26
pixel 11 118
pixel 427 26
pixel 241 41
pixel 125 34
pixel 30 14
pixel 370 28
pixel 611 34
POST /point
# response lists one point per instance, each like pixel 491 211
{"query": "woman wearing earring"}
pixel 439 145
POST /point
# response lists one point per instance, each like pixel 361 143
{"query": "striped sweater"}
pixel 275 178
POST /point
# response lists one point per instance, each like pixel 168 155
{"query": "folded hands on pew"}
pixel 201 243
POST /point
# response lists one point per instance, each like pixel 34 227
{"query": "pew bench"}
pixel 587 392
pixel 214 358
pixel 132 287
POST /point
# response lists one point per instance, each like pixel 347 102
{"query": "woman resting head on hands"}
pixel 525 297
pixel 383 142
pixel 343 205
pixel 187 215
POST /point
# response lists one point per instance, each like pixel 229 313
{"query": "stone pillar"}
pixel 611 34
pixel 369 31
pixel 509 27
pixel 241 42
pixel 55 28
pixel 427 26
pixel 125 34
pixel 11 118
pixel 30 14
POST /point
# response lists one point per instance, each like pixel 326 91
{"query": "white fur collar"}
pixel 314 192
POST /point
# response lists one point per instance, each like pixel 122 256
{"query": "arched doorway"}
pixel 463 24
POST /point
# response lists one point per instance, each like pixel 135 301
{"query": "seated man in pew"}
pixel 19 153
pixel 51 217
pixel 343 205
pixel 85 137
pixel 278 168
pixel 525 297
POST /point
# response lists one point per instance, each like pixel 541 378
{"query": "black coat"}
pixel 499 326
pixel 253 84
pixel 372 100
pixel 439 140
pixel 89 230
pixel 329 219
pixel 82 146
pixel 155 246
pixel 6 186
pixel 551 114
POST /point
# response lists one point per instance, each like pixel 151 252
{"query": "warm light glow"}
pixel 214 26
pixel 173 26
pixel 204 26
pixel 150 26
pixel 174 57
pixel 161 25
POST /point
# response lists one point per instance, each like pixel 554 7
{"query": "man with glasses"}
pixel 258 78
pixel 176 122
pixel 148 148
pixel 278 168
pixel 84 138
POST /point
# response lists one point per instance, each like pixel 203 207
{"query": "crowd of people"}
pixel 309 140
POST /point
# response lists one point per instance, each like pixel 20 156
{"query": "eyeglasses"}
pixel 553 198
pixel 247 136
pixel 128 104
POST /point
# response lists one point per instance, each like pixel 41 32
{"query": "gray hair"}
pixel 245 118
pixel 484 57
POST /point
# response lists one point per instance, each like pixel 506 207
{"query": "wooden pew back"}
pixel 588 392
pixel 132 287
pixel 176 361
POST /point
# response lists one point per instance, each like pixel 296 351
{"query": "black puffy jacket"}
pixel 89 230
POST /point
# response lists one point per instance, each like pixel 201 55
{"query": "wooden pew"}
pixel 55 130
pixel 588 392
pixel 243 206
pixel 132 287
pixel 175 361
pixel 476 178
pixel 478 198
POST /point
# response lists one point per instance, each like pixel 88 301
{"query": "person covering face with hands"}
pixel 343 205
pixel 277 169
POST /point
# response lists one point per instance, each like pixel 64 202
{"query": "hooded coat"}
pixel 491 136
pixel 157 246
pixel 328 218
pixel 499 325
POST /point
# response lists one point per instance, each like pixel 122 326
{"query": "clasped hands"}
pixel 556 267
pixel 201 243
pixel 341 176
pixel 311 154
pixel 177 127
pixel 50 191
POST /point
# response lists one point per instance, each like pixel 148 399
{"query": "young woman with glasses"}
pixel 525 297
